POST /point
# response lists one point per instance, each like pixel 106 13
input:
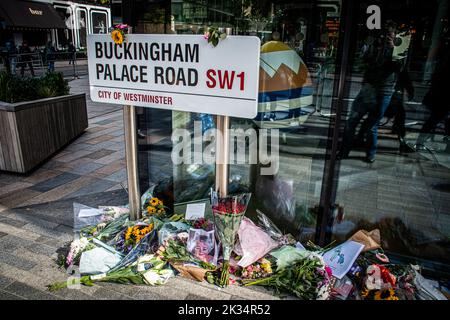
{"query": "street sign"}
pixel 176 72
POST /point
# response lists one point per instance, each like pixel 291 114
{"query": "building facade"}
pixel 61 22
pixel 320 73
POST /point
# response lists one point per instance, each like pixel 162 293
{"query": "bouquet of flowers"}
pixel 76 249
pixel 203 224
pixel 202 241
pixel 118 33
pixel 155 207
pixel 132 236
pixel 308 278
pixel 228 213
pixel 260 269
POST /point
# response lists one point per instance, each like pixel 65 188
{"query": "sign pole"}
pixel 130 130
pixel 131 151
pixel 222 155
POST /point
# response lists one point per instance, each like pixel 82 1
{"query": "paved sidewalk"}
pixel 36 217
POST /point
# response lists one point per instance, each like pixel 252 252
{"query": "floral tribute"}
pixel 155 207
pixel 213 36
pixel 132 236
pixel 228 213
pixel 118 33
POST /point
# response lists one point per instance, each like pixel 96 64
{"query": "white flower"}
pixel 323 293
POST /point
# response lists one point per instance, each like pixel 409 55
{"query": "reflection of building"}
pixel 81 19
pixel 34 22
pixel 61 22
pixel 308 195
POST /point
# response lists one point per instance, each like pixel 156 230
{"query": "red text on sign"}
pixel 224 79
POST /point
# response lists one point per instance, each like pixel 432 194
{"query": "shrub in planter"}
pixel 16 89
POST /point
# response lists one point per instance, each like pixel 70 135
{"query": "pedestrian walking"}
pixel 72 52
pixel 26 58
pixel 50 55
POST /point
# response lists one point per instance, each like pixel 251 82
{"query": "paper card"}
pixel 341 258
pixel 195 211
pixel 299 246
pixel 89 212
pixel 98 276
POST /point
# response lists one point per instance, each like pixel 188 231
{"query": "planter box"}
pixel 31 131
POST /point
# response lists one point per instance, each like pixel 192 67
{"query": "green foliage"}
pixel 214 36
pixel 16 89
pixel 300 279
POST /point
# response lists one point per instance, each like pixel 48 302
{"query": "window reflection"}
pixel 394 173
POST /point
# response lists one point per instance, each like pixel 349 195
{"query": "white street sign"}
pixel 176 72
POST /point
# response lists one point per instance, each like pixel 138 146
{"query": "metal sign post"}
pixel 177 72
pixel 130 129
pixel 222 155
pixel 131 154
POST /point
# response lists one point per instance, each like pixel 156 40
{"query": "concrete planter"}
pixel 31 131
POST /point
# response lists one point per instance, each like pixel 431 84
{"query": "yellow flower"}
pixel 365 293
pixel 160 203
pixel 385 295
pixel 117 36
pixel 151 209
pixel 128 233
pixel 154 202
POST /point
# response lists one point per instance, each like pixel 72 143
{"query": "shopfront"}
pixel 28 21
pixel 329 177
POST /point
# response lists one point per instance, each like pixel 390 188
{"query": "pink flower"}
pixel 122 26
pixel 206 35
pixel 329 271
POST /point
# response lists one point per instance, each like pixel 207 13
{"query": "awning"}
pixel 28 14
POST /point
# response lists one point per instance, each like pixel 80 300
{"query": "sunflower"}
pixel 388 294
pixel 128 233
pixel 117 36
pixel 151 209
pixel 154 202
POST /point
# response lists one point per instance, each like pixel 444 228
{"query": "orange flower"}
pixel 117 36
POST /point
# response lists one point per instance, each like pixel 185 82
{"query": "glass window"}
pixel 82 27
pixel 65 36
pixel 299 43
pixel 99 22
pixel 395 167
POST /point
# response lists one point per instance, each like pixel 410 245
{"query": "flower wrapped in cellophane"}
pixel 228 213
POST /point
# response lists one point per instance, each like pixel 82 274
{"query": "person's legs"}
pixel 373 120
pixel 51 66
pixel 436 116
pixel 30 65
pixel 357 112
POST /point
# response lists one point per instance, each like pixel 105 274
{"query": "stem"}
pixel 224 276
pixel 259 281
pixel 65 284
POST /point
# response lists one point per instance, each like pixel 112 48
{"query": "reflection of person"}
pixel 72 52
pixel 403 84
pixel 374 97
pixel 435 100
pixel 9 57
pixel 25 58
pixel 12 56
pixel 101 27
pixel 50 55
